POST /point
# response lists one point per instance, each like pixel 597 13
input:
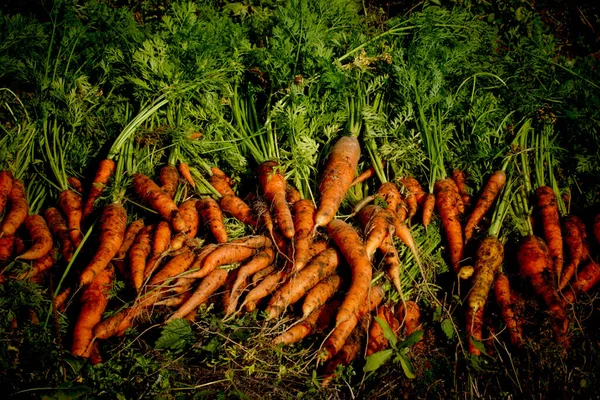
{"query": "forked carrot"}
pixel 376 222
pixel 391 261
pixel 484 203
pixel 103 174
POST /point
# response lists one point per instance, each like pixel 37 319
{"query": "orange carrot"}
pixel 459 177
pixel 414 194
pixel 574 243
pixel 221 182
pixel 335 341
pixel 445 202
pixel 94 300
pixel 304 216
pixel 585 251
pixel 428 207
pixel 319 268
pixel 351 246
pixel 402 232
pixel 189 213
pixel 484 203
pixel 536 265
pixel 40 235
pixel 138 254
pixel 60 301
pixel 212 216
pixel 113 223
pixel 474 329
pixel 199 261
pixel 158 200
pixel 292 195
pixel 184 170
pixel 237 208
pixel 263 289
pixel 207 287
pixel 19 209
pixel 231 297
pixel 117 323
pixel 6 183
pixel 39 265
pixel 318 319
pixel 388 191
pixel 161 239
pixel 410 317
pixel 347 353
pixel 75 183
pixel 130 234
pixel 376 222
pixel 391 261
pixel 103 174
pixel 585 279
pixel 258 263
pixel 58 227
pixel 260 275
pixel 377 340
pixel 177 265
pixel 320 293
pixel 507 310
pixel 368 173
pixel 337 178
pixel 169 180
pixel 546 201
pixel 273 184
pixel 7 245
pixel 70 204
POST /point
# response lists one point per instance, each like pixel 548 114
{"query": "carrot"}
pixel 75 184
pixel 391 261
pixel 585 251
pixel 103 174
pixel 39 265
pixel 304 216
pixel 347 353
pixel 60 301
pixel 367 173
pixel 445 202
pixel 230 296
pixel 40 235
pixel 484 203
pixel 258 263
pixel 584 281
pixel 337 178
pixel 263 289
pixel 535 264
pixel 428 207
pixel 410 317
pixel 58 227
pixel 376 222
pixel 189 212
pixel 174 267
pixel 260 275
pixel 70 204
pixel 320 293
pixel 574 243
pixel 233 252
pixel 319 268
pixel 6 183
pixel 597 228
pixel 184 170
pixel 161 239
pixel 546 201
pixel 318 319
pixel 414 194
pixel 402 232
pixel 7 245
pixel 237 208
pixel 169 180
pixel 388 191
pixel 490 255
pixel 19 209
pixel 507 310
pixel 112 230
pixel 459 177
pixel 351 246
pixel 199 260
pixel 474 329
pixel 221 182
pixel 292 195
pixel 130 235
pixel 138 254
pixel 273 185
pixel 158 200
pixel 94 300
pixel 377 340
pixel 212 216
pixel 207 287
pixel 335 341
pixel 117 323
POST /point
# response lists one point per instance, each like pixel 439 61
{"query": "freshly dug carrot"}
pixel 414 194
pixel 366 174
pixel 221 182
pixel 489 258
pixel 113 223
pixel 536 265
pixel 199 261
pixel 130 234
pixel 304 217
pixel 428 207
pixel 410 317
pixel 260 275
pixel 292 195
pixel 117 323
pixel 6 183
pixel 546 201
pixel 376 222
pixel 184 170
pixel 585 279
pixel 7 245
pixel 231 297
pixel 258 263
pixel 320 293
pixel 273 184
pixel 347 353
pixel 169 180
pixel 103 174
pixel 207 287
pixel 158 200
pixel 263 289
pixel 445 202
pixel 402 232
pixel 318 319
pixel 138 254
pixel 161 239
pixel 39 265
pixel 507 310
pixel 296 287
pixel 574 243
pixel 174 267
pixel 19 209
pixel 391 261
pixel 237 208
pixel 40 235
pixel 585 251
pixel 352 248
pixel 60 301
pixel 189 212
pixel 211 214
pixel 94 300
pixel 459 177
pixel 474 329
pixel 75 183
pixel 484 203
pixel 70 204
pixel 235 251
pixel 388 191
pixel 337 178
pixel 335 341
pixel 377 340
pixel 58 227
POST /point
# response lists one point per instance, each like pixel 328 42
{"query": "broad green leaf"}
pixel 175 335
pixel 409 371
pixel 388 332
pixel 477 344
pixel 448 328
pixel 412 339
pixel 376 360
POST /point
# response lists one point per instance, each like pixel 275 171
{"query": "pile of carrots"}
pixel 300 260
